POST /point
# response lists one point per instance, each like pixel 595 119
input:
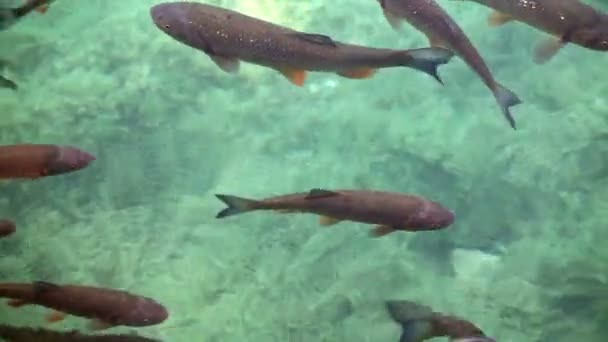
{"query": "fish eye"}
pixel 167 26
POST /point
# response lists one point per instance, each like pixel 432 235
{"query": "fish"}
pixel 30 334
pixel 229 37
pixel 419 323
pixel 7 227
pixel 10 15
pixel 567 21
pixel 441 30
pixel 105 307
pixel 388 211
pixel 31 161
pixel 6 83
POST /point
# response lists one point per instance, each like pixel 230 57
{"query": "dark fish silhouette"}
pixel 441 30
pixel 389 211
pixel 6 83
pixel 7 227
pixel 106 307
pixel 28 334
pixel 568 21
pixel 420 323
pixel 9 16
pixel 34 161
pixel 229 37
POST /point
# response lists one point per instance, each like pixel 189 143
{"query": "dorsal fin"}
pixel 41 286
pixel 320 193
pixel 315 38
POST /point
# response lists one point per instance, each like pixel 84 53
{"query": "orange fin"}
pixel 42 9
pixel 227 64
pixel 294 76
pixel 380 231
pixel 392 19
pixel 16 303
pixel 55 316
pixel 327 221
pixel 358 73
pixel 546 49
pixel 498 19
pixel 97 325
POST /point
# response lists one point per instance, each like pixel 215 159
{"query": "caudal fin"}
pixel 506 99
pixel 428 60
pixel 236 205
pixel 415 320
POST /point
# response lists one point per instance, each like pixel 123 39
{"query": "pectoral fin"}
pixel 437 42
pixel 327 221
pixel 230 65
pixel 380 231
pixel 315 38
pixel 294 76
pixel 358 74
pixel 55 316
pixel 547 48
pixel 394 20
pixel 16 303
pixel 497 18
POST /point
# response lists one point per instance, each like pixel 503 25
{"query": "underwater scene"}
pixel 294 171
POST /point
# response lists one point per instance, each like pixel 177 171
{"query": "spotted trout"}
pixel 420 323
pixel 9 15
pixel 441 30
pixel 229 37
pixel 567 21
pixel 389 211
pixel 106 307
pixel 38 160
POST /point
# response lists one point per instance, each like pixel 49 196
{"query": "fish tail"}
pixel 428 60
pixel 506 99
pixel 236 205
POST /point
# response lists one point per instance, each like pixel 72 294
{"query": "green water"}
pixel 523 260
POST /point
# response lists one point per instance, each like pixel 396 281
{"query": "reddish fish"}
pixel 568 21
pixel 389 211
pixel 11 333
pixel 7 227
pixel 421 323
pixel 441 30
pixel 229 37
pixel 106 307
pixel 34 161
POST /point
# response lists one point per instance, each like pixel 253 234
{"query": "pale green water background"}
pixel 525 259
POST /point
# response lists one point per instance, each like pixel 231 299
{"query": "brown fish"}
pixel 568 21
pixel 229 37
pixel 106 307
pixel 389 211
pixel 29 334
pixel 441 30
pixel 34 161
pixel 420 323
pixel 7 227
pixel 9 16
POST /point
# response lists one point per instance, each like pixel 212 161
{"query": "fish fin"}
pixel 236 205
pixel 415 331
pixel 380 231
pixel 97 324
pixel 320 193
pixel 230 65
pixel 55 316
pixel 6 83
pixel 358 73
pixel 327 221
pixel 427 60
pixel 437 42
pixel 497 18
pixel 547 48
pixel 42 9
pixel 506 99
pixel 402 311
pixel 294 76
pixel 315 38
pixel 16 303
pixel 393 20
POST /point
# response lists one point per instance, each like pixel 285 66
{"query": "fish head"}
pixel 170 18
pixel 594 38
pixel 432 216
pixel 69 159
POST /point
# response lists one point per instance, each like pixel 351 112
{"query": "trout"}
pixel 34 161
pixel 388 211
pixel 229 37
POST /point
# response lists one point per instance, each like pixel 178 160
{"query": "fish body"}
pixel 441 30
pixel 34 161
pixel 9 15
pixel 420 323
pixel 7 227
pixel 107 307
pixel 229 37
pixel 389 211
pixel 568 21
pixel 31 334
